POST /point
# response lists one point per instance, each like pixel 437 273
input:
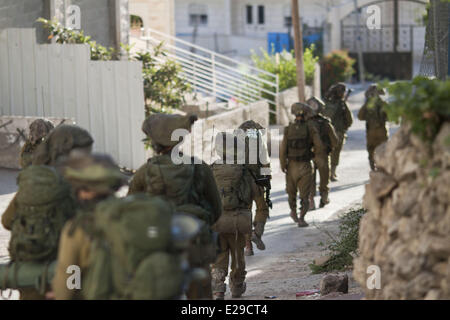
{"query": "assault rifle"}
pixel 264 181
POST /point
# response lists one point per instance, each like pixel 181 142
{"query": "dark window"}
pixel 249 10
pixel 198 19
pixel 261 16
pixel 288 22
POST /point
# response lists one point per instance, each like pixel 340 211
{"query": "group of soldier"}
pixel 174 234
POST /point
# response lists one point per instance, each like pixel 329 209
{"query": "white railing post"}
pixel 214 80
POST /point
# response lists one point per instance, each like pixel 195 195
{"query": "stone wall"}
pixel 406 232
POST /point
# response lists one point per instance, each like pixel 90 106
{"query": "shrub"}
pixel 423 103
pixel 164 88
pixel 344 246
pixel 337 66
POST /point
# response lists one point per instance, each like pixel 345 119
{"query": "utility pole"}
pixel 359 43
pixel 298 41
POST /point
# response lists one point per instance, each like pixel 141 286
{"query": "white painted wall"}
pixel 105 98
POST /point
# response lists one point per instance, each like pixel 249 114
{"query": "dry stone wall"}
pixel 406 232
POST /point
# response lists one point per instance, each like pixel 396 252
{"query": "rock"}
pixel 321 261
pixel 381 183
pixel 334 283
pixel 406 230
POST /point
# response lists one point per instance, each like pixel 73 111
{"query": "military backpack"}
pixel 134 254
pixel 236 193
pixel 44 204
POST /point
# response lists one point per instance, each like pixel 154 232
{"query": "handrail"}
pixel 150 31
pixel 224 79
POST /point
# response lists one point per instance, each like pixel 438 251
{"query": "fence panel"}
pixel 54 80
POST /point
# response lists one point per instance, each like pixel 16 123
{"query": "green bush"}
pixel 337 66
pixel 164 88
pixel 285 67
pixel 423 103
pixel 344 246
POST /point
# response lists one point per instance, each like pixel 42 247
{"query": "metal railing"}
pixel 216 75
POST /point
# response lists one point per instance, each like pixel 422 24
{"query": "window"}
pixel 198 15
pixel 288 22
pixel 198 19
pixel 261 15
pixel 249 11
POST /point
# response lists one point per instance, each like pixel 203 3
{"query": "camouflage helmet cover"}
pixel 250 124
pixel 336 90
pixel 60 142
pixel 39 128
pixel 300 108
pixel 96 172
pixel 316 104
pixel 159 127
pixel 374 91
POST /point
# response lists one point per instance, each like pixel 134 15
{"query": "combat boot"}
pixel 312 204
pixel 238 290
pixel 257 234
pixel 324 200
pixel 301 221
pixel 294 216
pixel 333 176
pixel 219 296
pixel 248 251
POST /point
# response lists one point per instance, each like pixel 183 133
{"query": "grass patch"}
pixel 344 246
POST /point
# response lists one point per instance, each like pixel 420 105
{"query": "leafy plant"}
pixel 164 88
pixel 337 66
pixel 344 246
pixel 423 103
pixel 284 65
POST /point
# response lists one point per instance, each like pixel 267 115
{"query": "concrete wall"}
pixel 98 18
pixel 11 141
pixel 155 14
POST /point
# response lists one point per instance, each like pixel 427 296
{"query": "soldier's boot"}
pixel 324 200
pixel 257 235
pixel 237 290
pixel 312 204
pixel 218 283
pixel 301 221
pixel 248 251
pixel 333 176
pixel 294 216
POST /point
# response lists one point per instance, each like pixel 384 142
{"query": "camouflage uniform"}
pixel 38 130
pixel 321 157
pixel 372 112
pixel 337 110
pixel 57 145
pixel 234 223
pixel 296 153
pixel 159 128
pixel 251 128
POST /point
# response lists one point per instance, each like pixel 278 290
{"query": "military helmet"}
pixel 95 172
pixel 159 127
pixel 300 108
pixel 39 128
pixel 250 124
pixel 335 91
pixel 60 142
pixel 316 104
pixel 374 91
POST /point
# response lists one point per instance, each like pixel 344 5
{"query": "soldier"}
pixel 321 157
pixel 235 185
pixel 373 113
pixel 337 110
pixel 38 130
pixel 191 187
pixel 296 153
pixel 58 144
pixel 93 178
pixel 253 133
